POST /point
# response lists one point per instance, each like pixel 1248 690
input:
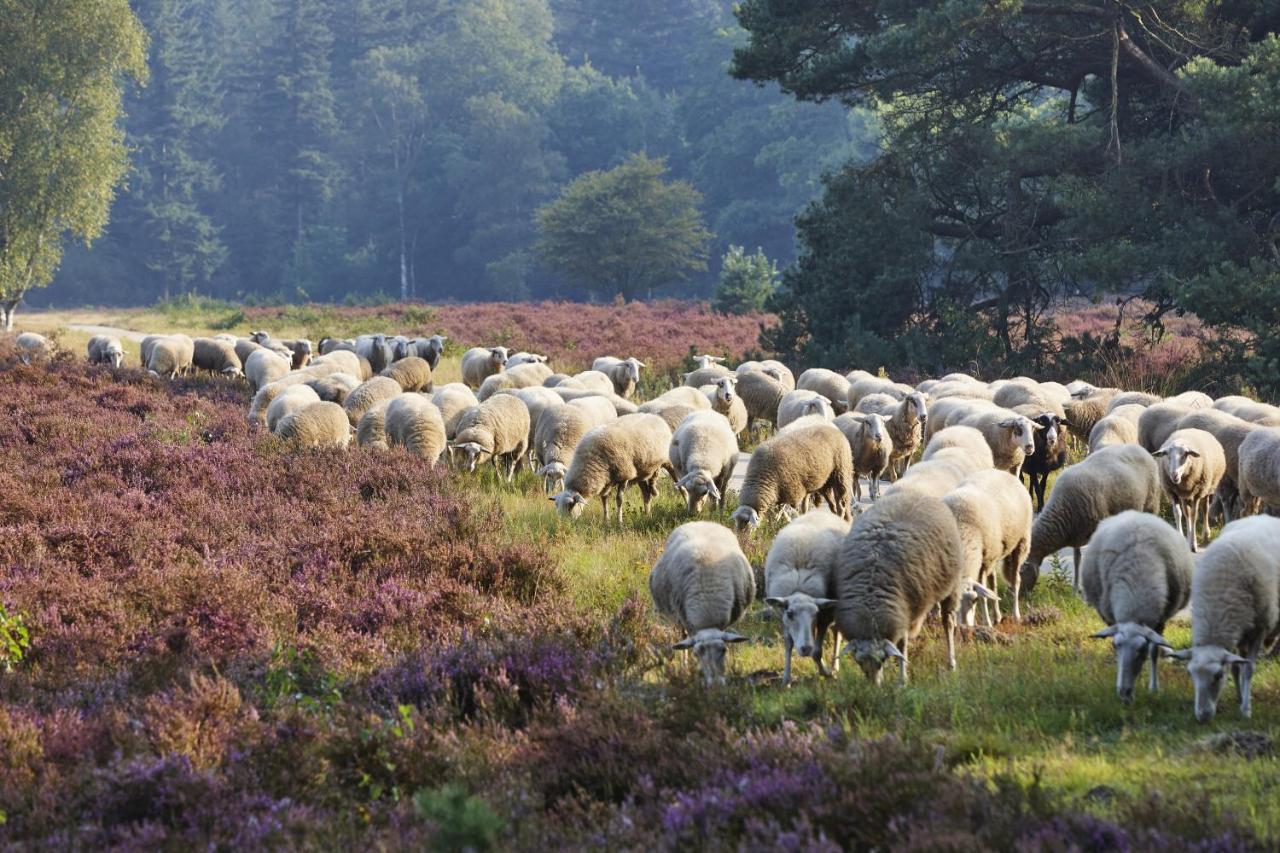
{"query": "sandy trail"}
pixel 91 329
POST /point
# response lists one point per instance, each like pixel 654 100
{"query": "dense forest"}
pixel 302 149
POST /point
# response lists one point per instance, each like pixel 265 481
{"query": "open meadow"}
pixel 210 639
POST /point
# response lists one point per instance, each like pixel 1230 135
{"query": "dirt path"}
pixel 91 329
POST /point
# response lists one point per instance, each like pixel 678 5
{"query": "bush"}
pixel 746 282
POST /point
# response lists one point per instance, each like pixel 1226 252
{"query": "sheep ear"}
pixel 1160 452
pixel 825 603
pixel 780 603
pixel 1035 425
pixel 686 643
pixel 982 592
pixel 640 364
pixel 683 482
pixel 892 651
pixel 713 492
pixel 731 637
pixel 1109 631
pixel 1155 639
pixel 1179 654
pixel 1008 423
pixel 1230 658
pixel 1190 452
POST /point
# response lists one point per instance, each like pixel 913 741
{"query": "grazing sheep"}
pixel 527 358
pixel 900 560
pixel 557 433
pixel 703 583
pixel 785 470
pixel 453 400
pixel 594 381
pixel 707 376
pixel 1106 483
pixel 871 447
pixel 1259 475
pixel 378 350
pixel 1230 431
pixel 761 394
pixel 216 357
pixel 413 422
pixel 369 393
pixel 1158 422
pixel 479 363
pixel 1112 430
pixel 599 409
pixel 621 406
pixel 264 367
pixel 371 432
pixel 1235 611
pixel 1192 463
pixel 723 396
pixel 319 424
pixel 829 384
pixel 267 393
pixel 290 400
pixel 1132 398
pixel 494 384
pixel 1083 415
pixel 1050 454
pixel 556 379
pixel 623 373
pixel 244 348
pixel 537 400
pixel 905 419
pixel 703 452
pixel 963 438
pixel 682 395
pixel 993 515
pixel 334 387
pixel 165 358
pixel 799 403
pixel 800 583
pixel 412 374
pixel 674 414
pixel 497 430
pixel 328 345
pixel 1137 574
pixel 346 362
pixel 630 450
pixel 105 350
pixel 33 346
pixel 1010 436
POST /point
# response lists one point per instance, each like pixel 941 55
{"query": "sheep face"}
pixel 260 338
pixel 799 613
pixel 1050 429
pixel 745 518
pixel 569 503
pixel 404 349
pixel 1177 460
pixel 709 646
pixel 232 372
pixel 819 406
pixel 473 454
pixel 1207 666
pixel 116 356
pixel 917 411
pixel 1023 432
pixel 498 355
pixel 873 430
pixel 972 593
pixel 697 487
pixel 1134 643
pixel 633 368
pixel 726 389
pixel 553 476
pixel 871 656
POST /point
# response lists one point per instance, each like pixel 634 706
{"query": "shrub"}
pixel 746 282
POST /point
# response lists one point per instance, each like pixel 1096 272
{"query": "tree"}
pixel 746 281
pixel 1047 149
pixel 62 151
pixel 626 231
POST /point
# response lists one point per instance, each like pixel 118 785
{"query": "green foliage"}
pixel 626 231
pixel 463 822
pixel 746 281
pixel 15 639
pixel 62 151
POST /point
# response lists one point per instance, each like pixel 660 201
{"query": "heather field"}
pixel 209 641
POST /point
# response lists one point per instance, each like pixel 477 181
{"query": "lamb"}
pixel 702 453
pixel 703 583
pixel 413 422
pixel 1259 476
pixel 317 425
pixel 369 393
pixel 165 358
pixel 412 374
pixel 378 350
pixel 964 438
pixel 630 450
pixel 1230 432
pixel 623 373
pixel 871 447
pixel 797 404
pixel 1158 422
pixel 900 560
pixel 723 396
pixel 371 431
pixel 479 363
pixel 829 384
pixel 498 430
pixel 800 583
pixel 785 470
pixel 1235 611
pixel 558 431
pixel 527 358
pixel 216 357
pixel 1137 575
pixel 1106 483
pixel 264 367
pixel 105 350
pixel 1050 452
pixel 335 387
pixel 1010 436
pixel 993 515
pixel 1192 463
pixel 707 376
pixel 761 394
pixel 33 346
pixel 291 399
pixel 905 419
pixel 1112 430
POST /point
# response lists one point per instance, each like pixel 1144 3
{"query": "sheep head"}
pixel 799 613
pixel 709 646
pixel 1207 666
pixel 1133 643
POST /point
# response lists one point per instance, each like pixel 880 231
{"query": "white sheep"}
pixel 1112 430
pixel 623 373
pixel 724 398
pixel 164 358
pixel 319 424
pixel 936 476
pixel 868 385
pixel 871 446
pixel 1137 574
pixel 216 356
pixel 1235 610
pixel 799 403
pixel 993 515
pixel 1158 422
pixel 1230 431
pixel 682 395
pixel 264 367
pixel 368 394
pixel 1192 463
pixel 1131 398
pixel 497 430
pixel 291 399
pixel 371 431
pixel 703 583
pixel 905 418
pixel 479 363
pixel 453 400
pixel 413 422
pixel 703 452
pixel 620 406
pixel 104 349
pixel 762 395
pixel 1259 477
pixel 599 409
pixel 705 361
pixel 413 373
pixel 900 560
pixel 707 375
pixel 335 387
pixel 629 451
pixel 556 435
pixel 829 384
pixel 32 346
pixel 800 583
pixel 963 438
pixel 523 357
pixel 1250 410
pixel 345 361
pixel 1010 436
pixel 785 471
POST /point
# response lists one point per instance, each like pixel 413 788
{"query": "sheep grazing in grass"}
pixel 703 583
pixel 498 430
pixel 104 349
pixel 993 515
pixel 703 452
pixel 371 431
pixel 479 363
pixel 344 361
pixel 368 394
pixel 789 468
pixel 265 367
pixel 216 357
pixel 623 373
pixel 800 584
pixel 871 446
pixel 453 400
pixel 165 358
pixel 1192 463
pixel 412 374
pixel 413 422
pixel 291 399
pixel 900 560
pixel 334 387
pixel 1235 611
pixel 556 435
pixel 1137 574
pixel 316 425
pixel 632 450
pixel 33 347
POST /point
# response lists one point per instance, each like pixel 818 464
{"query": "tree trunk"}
pixel 404 259
pixel 8 308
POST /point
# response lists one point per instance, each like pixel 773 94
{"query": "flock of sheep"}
pixel 955 521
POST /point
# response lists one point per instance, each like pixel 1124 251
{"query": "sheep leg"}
pixel 1243 676
pixel 604 507
pixel 1177 516
pixel 1154 681
pixel 902 664
pixel 618 501
pixel 1075 569
pixel 820 637
pixel 786 661
pixel 949 626
pixel 1194 513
